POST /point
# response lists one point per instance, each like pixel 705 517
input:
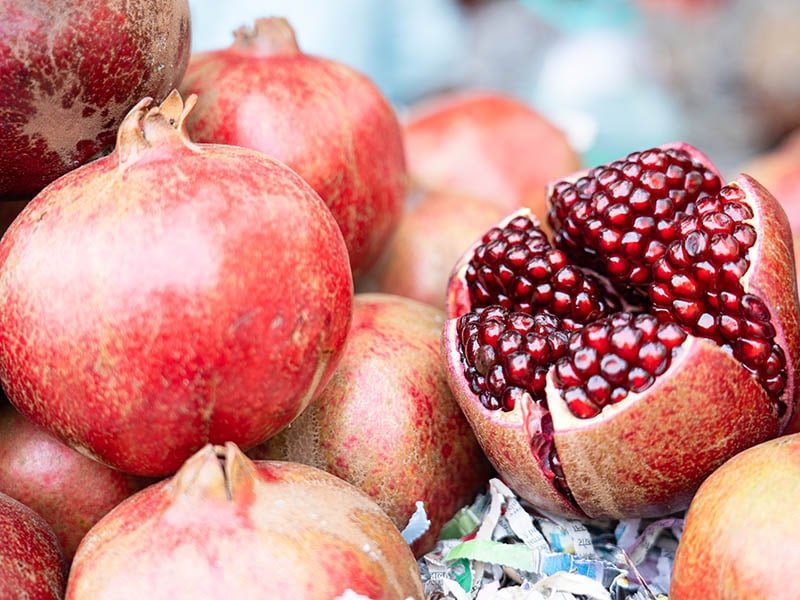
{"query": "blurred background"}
pixel 615 75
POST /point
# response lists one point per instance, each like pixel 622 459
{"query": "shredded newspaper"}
pixel 498 549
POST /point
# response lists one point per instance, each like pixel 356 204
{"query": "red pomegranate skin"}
pixel 779 171
pixel 486 144
pixel 69 73
pixel 325 120
pixel 227 527
pixel 436 229
pixel 387 421
pixel 32 565
pixel 182 293
pixel 70 490
pixel 740 537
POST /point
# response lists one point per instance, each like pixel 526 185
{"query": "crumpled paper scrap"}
pixel 496 548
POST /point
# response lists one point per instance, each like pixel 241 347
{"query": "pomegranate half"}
pixel 609 371
pixel 169 295
pixel 387 421
pixel 325 120
pixel 227 527
pixel 69 72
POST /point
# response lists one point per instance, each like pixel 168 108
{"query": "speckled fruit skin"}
pixel 183 294
pixel 32 565
pixel 646 455
pixel 227 527
pixel 70 71
pixel 70 490
pixel 434 232
pixel 779 171
pixel 387 421
pixel 740 538
pixel 489 145
pixel 325 120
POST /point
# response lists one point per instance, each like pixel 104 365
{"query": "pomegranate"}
pixel 434 232
pixel 325 120
pixel 203 294
pixel 778 170
pixel 31 562
pixel 227 527
pixel 608 372
pixel 70 490
pixel 486 144
pixel 387 421
pixel 70 72
pixel 741 528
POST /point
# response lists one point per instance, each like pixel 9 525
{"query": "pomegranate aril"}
pixel 653 357
pixel 639 380
pixel 521 367
pixel 579 403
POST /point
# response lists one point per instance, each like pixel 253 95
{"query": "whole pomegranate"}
pixel 70 490
pixel 434 232
pixel 609 371
pixel 70 71
pixel 740 537
pixel 486 144
pixel 226 527
pixel 387 421
pixel 169 295
pixel 325 120
pixel 32 565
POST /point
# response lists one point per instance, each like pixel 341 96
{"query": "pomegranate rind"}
pixel 471 141
pixel 772 276
pixel 223 518
pixel 504 437
pixel 646 455
pixel 740 534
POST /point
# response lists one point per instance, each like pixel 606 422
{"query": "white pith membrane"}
pixel 536 418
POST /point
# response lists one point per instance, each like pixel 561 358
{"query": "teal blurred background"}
pixel 615 75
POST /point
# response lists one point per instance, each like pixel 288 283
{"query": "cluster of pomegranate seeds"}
pixel 613 356
pixel 620 217
pixel 517 268
pixel 698 283
pixel 507 354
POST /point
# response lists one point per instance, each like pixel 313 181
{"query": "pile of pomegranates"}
pixel 199 404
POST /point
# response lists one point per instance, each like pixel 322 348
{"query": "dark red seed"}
pixel 598 390
pixel 625 342
pixel 614 369
pixel 520 367
pixel 723 248
pixel 565 374
pixel 653 357
pixel 639 380
pixel 579 403
pixel 586 361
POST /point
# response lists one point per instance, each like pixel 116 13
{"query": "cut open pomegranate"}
pixel 608 372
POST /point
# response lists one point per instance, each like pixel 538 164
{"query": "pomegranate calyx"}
pixel 218 472
pixel 146 126
pixel 269 36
